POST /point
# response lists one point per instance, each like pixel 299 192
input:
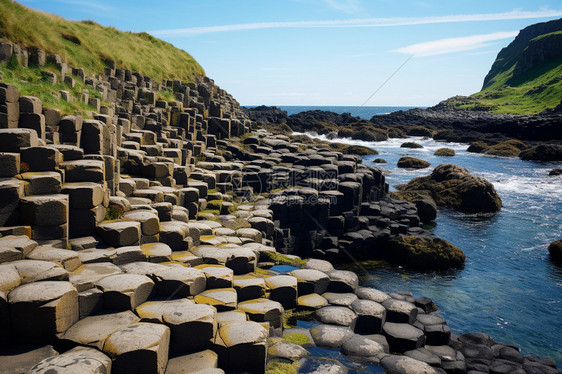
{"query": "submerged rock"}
pixel 424 254
pixel 555 172
pixel 412 145
pixel 452 186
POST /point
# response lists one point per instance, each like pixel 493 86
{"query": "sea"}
pixel 509 288
pixel 365 112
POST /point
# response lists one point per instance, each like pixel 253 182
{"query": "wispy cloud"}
pixel 451 45
pixel 362 22
pixel 347 6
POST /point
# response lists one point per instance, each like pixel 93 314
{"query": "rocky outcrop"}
pixel 266 115
pixel 543 152
pixel 445 152
pixel 453 187
pixel 555 250
pixel 424 254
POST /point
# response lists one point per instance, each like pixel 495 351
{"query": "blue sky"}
pixel 328 52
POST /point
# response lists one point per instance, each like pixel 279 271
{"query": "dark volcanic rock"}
pixel 267 115
pixel 423 254
pixel 412 163
pixel 452 186
pixel 543 152
pixel 445 152
pixel 411 145
pixel 555 250
pixel 553 172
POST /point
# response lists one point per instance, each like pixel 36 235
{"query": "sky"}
pixel 328 52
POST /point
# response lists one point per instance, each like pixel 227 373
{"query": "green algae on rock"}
pixel 424 254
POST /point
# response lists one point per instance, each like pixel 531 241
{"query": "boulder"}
pixel 139 348
pixel 412 163
pixel 445 152
pixel 555 172
pixel 403 337
pixel 452 186
pixel 543 152
pixel 423 253
pixel 413 145
pixel 330 336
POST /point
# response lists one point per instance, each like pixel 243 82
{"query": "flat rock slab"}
pixel 372 294
pixel 85 195
pixel 36 270
pixel 403 337
pixel 44 210
pixel 337 315
pixel 157 252
pixel 9 278
pixel 288 351
pixel 23 361
pixel 223 299
pixel 311 301
pixel 249 288
pixel 15 247
pixel 320 265
pixel 340 299
pixel 139 348
pixel 125 291
pixel 87 275
pixel 77 360
pixel 330 336
pixel 362 346
pixel 263 310
pixel 199 362
pixel 405 365
pixel 92 331
pixel 192 326
pixel 69 260
pixel 40 310
pixel 283 289
pixel 153 311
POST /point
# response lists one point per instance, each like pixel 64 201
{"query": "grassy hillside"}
pixel 526 77
pixel 88 45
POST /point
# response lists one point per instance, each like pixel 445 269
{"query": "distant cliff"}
pixel 526 77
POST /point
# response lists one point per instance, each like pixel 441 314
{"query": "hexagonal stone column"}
pixel 371 316
pixel 139 348
pixel 120 233
pixel 224 299
pixel 218 276
pixel 125 291
pixel 180 282
pixel 402 337
pixel 204 362
pixel 249 288
pixel 311 281
pixel 193 326
pixel 242 346
pixel 343 281
pixel 283 289
pixel 400 311
pixel 40 310
pixel 263 310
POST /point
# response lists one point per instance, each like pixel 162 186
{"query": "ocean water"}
pixel 365 112
pixel 509 288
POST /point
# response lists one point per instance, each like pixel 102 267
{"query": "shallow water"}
pixel 509 288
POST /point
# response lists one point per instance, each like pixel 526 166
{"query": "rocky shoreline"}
pixel 143 236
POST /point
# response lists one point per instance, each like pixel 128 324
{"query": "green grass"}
pixel 30 82
pixel 88 45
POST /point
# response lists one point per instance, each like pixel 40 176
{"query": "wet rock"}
pixel 411 145
pixel 452 186
pixel 342 281
pixel 555 251
pixel 341 299
pixel 445 152
pixel 372 294
pixel 555 172
pixel 337 315
pixel 288 351
pixel 423 254
pixel 412 163
pixel 543 152
pixel 330 336
pixel 422 354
